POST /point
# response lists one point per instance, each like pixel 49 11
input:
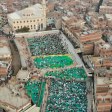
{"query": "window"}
pixel 24 21
pixel 41 26
pixel 27 21
pixel 30 20
pixel 20 21
pixel 33 20
pixel 34 27
pixel 18 27
pixel 17 21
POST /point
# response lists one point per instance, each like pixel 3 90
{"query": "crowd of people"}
pixel 35 90
pixel 70 73
pixel 64 95
pixel 67 96
pixel 53 62
pixel 46 45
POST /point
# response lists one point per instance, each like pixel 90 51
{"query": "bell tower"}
pixel 44 14
pixel 44 6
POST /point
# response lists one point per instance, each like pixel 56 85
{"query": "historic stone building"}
pixel 33 17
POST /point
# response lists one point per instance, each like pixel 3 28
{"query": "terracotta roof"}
pixel 3 71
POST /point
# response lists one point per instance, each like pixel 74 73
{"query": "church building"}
pixel 33 17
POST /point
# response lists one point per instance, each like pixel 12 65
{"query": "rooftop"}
pixel 4 67
pixel 100 81
pixel 13 97
pixel 105 6
pixel 33 11
pixel 108 16
pixel 4 63
pixel 4 48
pixel 22 74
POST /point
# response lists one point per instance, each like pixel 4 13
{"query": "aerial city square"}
pixel 55 56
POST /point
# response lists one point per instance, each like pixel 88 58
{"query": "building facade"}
pixel 33 17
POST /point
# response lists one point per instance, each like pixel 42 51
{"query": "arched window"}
pixel 34 27
pixel 41 25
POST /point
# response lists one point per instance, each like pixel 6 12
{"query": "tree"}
pixel 24 29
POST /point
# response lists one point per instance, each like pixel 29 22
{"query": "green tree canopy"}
pixel 24 29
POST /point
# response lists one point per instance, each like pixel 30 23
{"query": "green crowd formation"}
pixel 64 94
pixel 52 62
pixel 67 96
pixel 69 74
pixel 35 90
pixel 46 45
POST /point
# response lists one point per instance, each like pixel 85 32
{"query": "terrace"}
pixel 46 45
pixel 69 74
pixel 49 52
pixel 35 90
pixel 54 51
pixel 67 97
pixel 53 62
